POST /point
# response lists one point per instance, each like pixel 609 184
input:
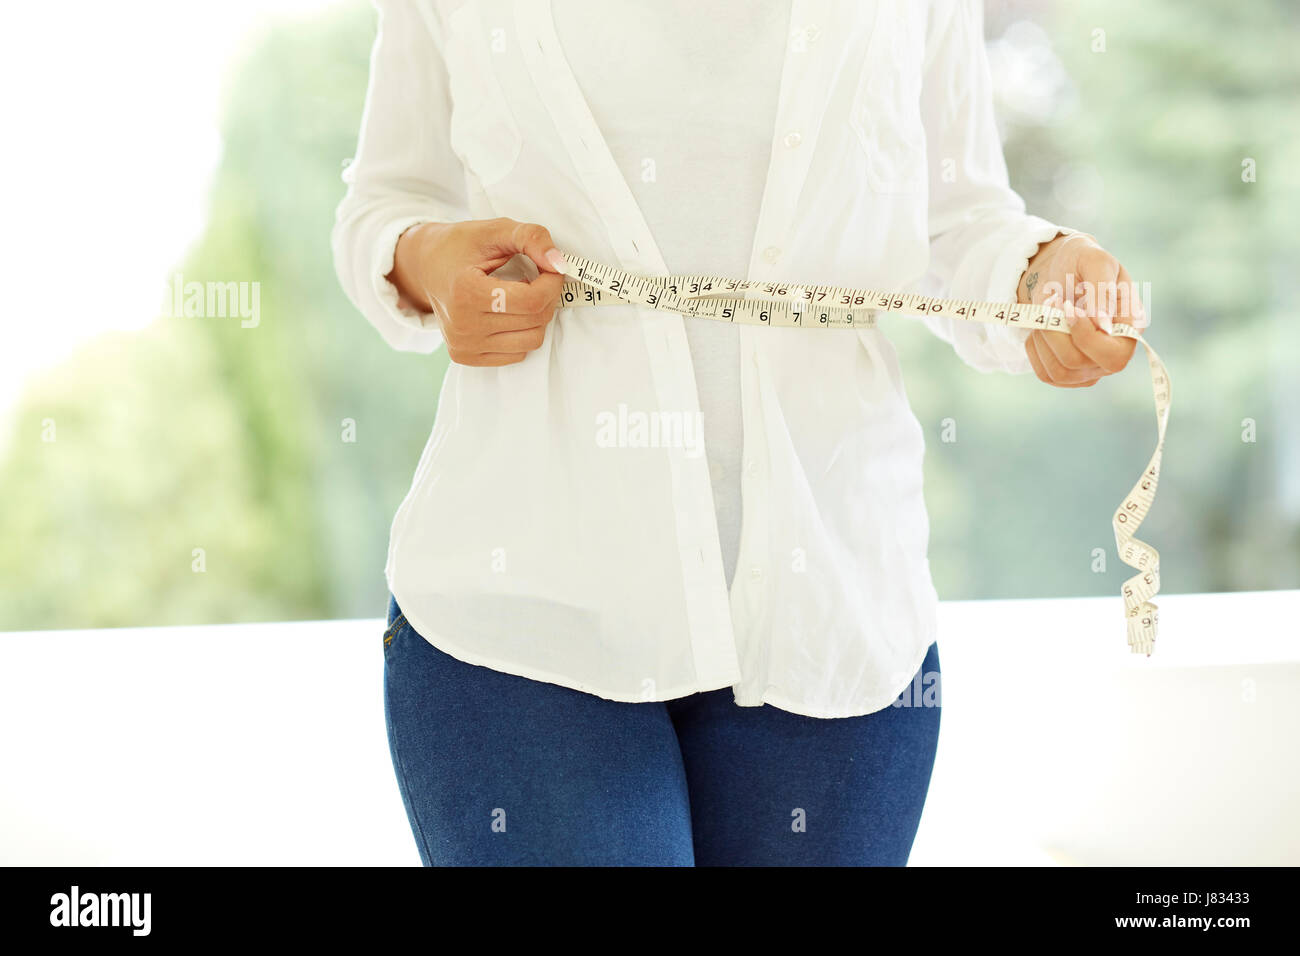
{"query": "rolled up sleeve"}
pixel 981 238
pixel 404 171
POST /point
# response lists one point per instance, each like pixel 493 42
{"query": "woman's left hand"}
pixel 1075 274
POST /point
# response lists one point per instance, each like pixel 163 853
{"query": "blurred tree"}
pixel 198 433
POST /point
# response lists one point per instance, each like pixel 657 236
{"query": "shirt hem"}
pixel 547 677
pixel 875 705
pixel 770 695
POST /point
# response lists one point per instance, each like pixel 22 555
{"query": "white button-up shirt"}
pixel 560 524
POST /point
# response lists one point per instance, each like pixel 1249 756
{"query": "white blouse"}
pixel 530 542
pixel 692 141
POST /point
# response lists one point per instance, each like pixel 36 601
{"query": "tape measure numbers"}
pixel 791 305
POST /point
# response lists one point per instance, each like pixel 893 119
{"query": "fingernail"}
pixel 556 259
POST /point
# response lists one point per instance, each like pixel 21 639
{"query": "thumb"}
pixel 508 237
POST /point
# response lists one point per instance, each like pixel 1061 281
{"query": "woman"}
pixel 604 646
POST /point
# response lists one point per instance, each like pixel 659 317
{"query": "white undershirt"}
pixel 685 93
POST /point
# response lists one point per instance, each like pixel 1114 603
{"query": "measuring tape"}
pixel 790 305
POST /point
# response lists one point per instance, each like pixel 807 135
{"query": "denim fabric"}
pixel 501 770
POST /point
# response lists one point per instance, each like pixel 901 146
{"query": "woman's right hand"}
pixel 444 268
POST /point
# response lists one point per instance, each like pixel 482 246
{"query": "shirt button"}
pixel 771 254
pixel 811 33
pixel 792 139
pixel 751 469
pixel 756 573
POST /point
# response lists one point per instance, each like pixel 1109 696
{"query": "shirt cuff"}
pixel 423 327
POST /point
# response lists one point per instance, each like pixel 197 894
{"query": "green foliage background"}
pixel 196 433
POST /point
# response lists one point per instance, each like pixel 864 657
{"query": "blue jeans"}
pixel 500 770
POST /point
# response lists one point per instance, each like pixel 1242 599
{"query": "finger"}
pixel 476 291
pixel 1037 364
pixel 484 325
pixel 1090 332
pixel 1131 309
pixel 503 238
pixel 527 340
pixel 1108 352
pixel 1058 374
pixel 486 358
pixel 1034 361
pixel 1067 353
pixel 1099 270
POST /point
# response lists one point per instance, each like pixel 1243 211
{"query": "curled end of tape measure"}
pixel 1142 639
